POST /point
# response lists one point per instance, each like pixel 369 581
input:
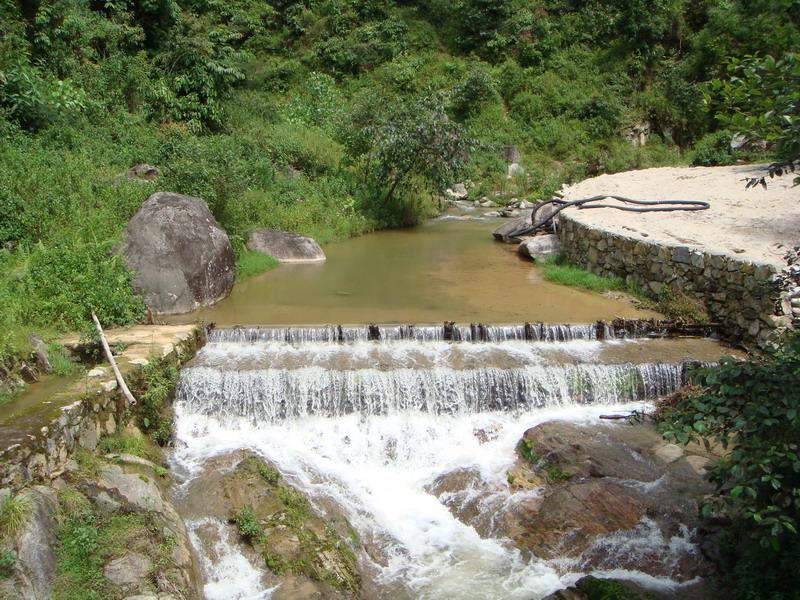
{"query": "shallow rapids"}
pixel 369 428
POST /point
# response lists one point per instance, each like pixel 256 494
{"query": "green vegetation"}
pixel 248 525
pixel 268 473
pixel 608 589
pixel 154 388
pixel 319 552
pixel 761 99
pixel 674 305
pixel 334 118
pixel 252 263
pixel 61 362
pixel 126 444
pixel 89 538
pixel 677 306
pixel 14 512
pixel 562 273
pixel 8 558
pixel 553 473
pixel 752 409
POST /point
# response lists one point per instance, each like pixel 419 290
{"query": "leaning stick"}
pixel 120 381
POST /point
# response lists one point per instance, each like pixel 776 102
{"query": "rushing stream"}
pixel 368 426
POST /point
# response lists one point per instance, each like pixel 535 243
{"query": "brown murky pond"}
pixel 445 270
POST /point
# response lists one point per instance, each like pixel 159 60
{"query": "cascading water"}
pixel 423 333
pixel 370 426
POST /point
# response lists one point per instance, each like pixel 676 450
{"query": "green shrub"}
pixel 752 409
pixel 713 149
pixel 253 263
pixel 65 282
pixel 249 527
pixel 153 391
pixel 14 513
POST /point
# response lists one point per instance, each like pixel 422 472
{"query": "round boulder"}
pixel 181 257
pixel 285 246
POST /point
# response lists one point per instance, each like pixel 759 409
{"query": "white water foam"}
pixel 230 576
pixel 376 468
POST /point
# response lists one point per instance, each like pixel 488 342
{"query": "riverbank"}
pixel 730 257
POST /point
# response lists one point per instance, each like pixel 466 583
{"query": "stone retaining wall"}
pixel 45 453
pixel 743 296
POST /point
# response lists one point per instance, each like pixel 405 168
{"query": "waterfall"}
pixel 271 395
pixel 367 418
pixel 422 333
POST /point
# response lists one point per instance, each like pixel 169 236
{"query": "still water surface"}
pixel 445 270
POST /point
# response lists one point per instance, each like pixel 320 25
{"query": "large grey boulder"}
pixel 36 545
pixel 181 257
pixel 540 247
pixel 285 246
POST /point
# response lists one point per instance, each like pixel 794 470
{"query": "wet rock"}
pixel 96 372
pixel 181 257
pixel 507 231
pixel 130 570
pixel 609 496
pixel 36 543
pixel 285 246
pixel 29 374
pixel 592 588
pixel 541 247
pixel 466 495
pixel 310 555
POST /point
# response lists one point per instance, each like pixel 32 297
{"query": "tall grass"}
pixel 14 513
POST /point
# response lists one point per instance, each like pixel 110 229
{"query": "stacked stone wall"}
pixel 743 296
pixel 44 454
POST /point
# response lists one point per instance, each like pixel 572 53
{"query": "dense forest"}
pixel 335 117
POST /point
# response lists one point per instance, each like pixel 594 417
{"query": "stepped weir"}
pixel 365 417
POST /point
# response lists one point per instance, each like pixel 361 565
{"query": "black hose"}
pixel 587 203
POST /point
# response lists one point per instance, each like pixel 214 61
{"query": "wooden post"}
pixel 120 381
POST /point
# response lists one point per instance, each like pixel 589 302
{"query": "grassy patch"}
pixel 14 512
pixel 677 306
pixel 8 559
pixel 247 523
pixel 559 272
pixel 125 444
pixel 674 305
pixel 61 363
pixel 88 539
pixel 253 263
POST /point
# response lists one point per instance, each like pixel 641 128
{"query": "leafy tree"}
pixel 761 99
pixel 753 410
pixel 417 142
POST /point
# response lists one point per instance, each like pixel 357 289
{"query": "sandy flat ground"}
pixel 756 224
